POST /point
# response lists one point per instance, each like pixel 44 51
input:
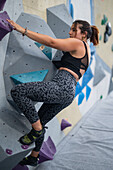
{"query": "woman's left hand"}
pixel 16 26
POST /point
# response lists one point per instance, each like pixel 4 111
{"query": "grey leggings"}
pixel 56 95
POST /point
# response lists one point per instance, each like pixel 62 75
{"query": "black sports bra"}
pixel 73 63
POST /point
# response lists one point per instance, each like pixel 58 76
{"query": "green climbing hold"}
pixel 101 97
pixel 104 20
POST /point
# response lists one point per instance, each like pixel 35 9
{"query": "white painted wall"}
pixel 82 9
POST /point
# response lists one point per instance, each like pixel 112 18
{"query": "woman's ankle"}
pixel 37 125
pixel 34 154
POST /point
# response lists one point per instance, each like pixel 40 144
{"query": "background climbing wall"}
pixel 81 11
pixel 15 60
pixel 101 8
pixel 39 7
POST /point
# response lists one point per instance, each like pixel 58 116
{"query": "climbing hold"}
pixel 29 77
pixel 47 151
pixel 78 89
pixel 88 75
pixel 2 3
pixel 104 20
pixel 71 9
pixel 101 97
pixel 92 49
pixel 105 37
pixel 24 146
pixel 20 167
pixel 5 27
pixel 108 29
pixel 9 151
pixel 46 50
pixel 88 91
pixel 80 98
pixel 65 124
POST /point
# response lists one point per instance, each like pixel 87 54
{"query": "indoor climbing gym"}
pixel 56 85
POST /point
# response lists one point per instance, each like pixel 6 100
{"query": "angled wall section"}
pixel 59 20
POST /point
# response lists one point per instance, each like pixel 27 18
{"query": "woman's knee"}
pixel 16 91
pixel 13 90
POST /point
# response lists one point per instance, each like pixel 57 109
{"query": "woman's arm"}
pixel 69 44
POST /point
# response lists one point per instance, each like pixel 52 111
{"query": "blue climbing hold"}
pixel 87 77
pixel 92 49
pixel 88 91
pixel 29 77
pixel 80 98
pixel 78 89
pixel 71 9
pixel 46 50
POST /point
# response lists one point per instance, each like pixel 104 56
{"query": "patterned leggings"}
pixel 56 95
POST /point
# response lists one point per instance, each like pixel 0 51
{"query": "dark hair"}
pixel 92 31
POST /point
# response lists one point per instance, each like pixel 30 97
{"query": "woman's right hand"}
pixel 16 26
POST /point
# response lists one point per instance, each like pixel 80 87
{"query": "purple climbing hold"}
pixel 9 151
pixel 2 3
pixel 65 124
pixel 20 167
pixel 47 151
pixel 24 146
pixel 5 26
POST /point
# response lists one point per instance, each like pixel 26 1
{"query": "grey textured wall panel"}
pixel 11 6
pixel 59 20
pixel 14 8
pixel 99 74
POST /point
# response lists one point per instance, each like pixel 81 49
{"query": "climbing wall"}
pixel 103 15
pixel 103 18
pixel 38 7
pixel 23 60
